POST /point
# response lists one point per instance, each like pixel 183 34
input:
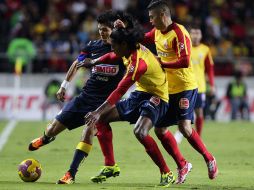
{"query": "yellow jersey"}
pixel 202 63
pixel 144 69
pixel 171 46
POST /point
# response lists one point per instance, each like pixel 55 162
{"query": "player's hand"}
pixel 91 118
pixel 119 24
pixel 60 95
pixel 87 63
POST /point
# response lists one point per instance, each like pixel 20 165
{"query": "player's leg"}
pixel 84 147
pixel 169 143
pixel 185 116
pixel 199 105
pixel 71 117
pixel 141 131
pixel 199 121
pixel 105 137
pixel 52 130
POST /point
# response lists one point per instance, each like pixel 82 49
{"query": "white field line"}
pixel 4 136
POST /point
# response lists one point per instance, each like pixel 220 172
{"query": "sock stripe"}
pixel 85 147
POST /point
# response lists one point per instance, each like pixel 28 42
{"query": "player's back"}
pixel 154 79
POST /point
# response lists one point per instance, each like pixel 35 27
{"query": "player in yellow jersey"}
pixel 145 106
pixel 173 45
pixel 202 65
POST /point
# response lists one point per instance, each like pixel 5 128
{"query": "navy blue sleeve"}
pixel 85 52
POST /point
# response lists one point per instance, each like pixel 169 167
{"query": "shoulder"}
pixel 205 47
pixel 179 30
pixel 91 44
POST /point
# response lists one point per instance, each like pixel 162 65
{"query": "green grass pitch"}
pixel 231 143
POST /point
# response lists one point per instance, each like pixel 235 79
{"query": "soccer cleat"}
pixel 106 172
pixel 212 169
pixel 167 179
pixel 183 172
pixel 38 142
pixel 66 179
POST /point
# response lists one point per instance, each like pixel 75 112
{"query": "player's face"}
pixel 196 36
pixel 119 48
pixel 156 19
pixel 104 31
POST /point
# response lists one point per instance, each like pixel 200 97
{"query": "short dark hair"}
pixel 128 19
pixel 107 18
pixel 159 4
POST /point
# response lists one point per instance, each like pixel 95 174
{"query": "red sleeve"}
pixel 135 70
pixel 209 68
pixel 182 48
pixel 149 37
pixel 109 58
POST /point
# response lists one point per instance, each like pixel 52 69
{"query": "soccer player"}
pixel 103 80
pixel 202 66
pixel 146 105
pixel 173 45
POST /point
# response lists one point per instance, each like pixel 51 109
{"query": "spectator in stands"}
pixel 237 95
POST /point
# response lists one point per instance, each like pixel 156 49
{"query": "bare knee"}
pixel 185 128
pixel 160 131
pixel 88 134
pixel 140 133
pixel 142 127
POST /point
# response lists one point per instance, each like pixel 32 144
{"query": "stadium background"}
pixel 55 30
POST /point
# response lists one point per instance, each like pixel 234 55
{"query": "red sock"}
pixel 105 137
pixel 153 151
pixel 199 146
pixel 169 143
pixel 199 124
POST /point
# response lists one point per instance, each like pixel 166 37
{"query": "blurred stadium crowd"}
pixel 55 29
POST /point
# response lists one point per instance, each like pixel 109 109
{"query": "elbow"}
pixel 186 62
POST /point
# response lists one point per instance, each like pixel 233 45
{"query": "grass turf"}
pixel 231 143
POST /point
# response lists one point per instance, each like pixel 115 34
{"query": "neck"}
pixel 106 41
pixel 195 44
pixel 166 24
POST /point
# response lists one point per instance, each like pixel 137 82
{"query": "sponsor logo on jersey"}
pixel 162 54
pixel 184 103
pixel 155 100
pixel 107 70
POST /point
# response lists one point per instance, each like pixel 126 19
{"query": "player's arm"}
pixel 209 70
pixel 70 74
pixel 182 48
pixel 136 70
pixel 109 58
pixel 149 37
